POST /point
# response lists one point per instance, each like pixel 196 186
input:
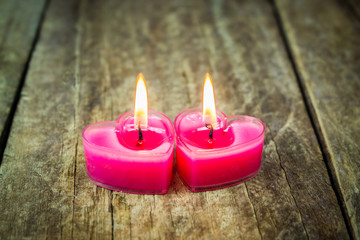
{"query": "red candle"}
pixel 215 151
pixel 133 154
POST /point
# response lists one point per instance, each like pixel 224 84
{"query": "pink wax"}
pixel 116 161
pixel 231 157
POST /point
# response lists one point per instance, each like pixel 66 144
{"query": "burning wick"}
pixel 141 138
pixel 211 134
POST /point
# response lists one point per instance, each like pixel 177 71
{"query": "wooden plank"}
pixel 92 205
pixel 18 25
pixel 165 33
pixel 325 42
pixel 99 49
pixel 37 173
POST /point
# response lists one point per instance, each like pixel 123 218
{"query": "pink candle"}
pixel 215 151
pixel 133 154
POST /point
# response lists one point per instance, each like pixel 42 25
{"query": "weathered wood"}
pixel 37 173
pixel 354 8
pixel 18 24
pixel 325 42
pixel 92 205
pixel 232 40
pixel 98 48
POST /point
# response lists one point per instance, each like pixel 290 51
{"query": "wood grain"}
pixel 325 42
pixel 353 7
pixel 97 49
pixel 37 173
pixel 18 24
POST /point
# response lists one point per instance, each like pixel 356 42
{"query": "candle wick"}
pixel 141 138
pixel 211 134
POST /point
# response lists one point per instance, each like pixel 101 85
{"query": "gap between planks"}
pixel 351 7
pixel 314 121
pixel 288 50
pixel 7 126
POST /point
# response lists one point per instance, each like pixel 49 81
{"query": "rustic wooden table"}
pixel 293 64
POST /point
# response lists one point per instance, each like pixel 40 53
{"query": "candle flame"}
pixel 209 110
pixel 141 102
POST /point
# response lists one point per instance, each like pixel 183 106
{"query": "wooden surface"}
pixel 19 21
pixel 83 70
pixel 327 57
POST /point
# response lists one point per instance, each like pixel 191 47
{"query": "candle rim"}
pixel 206 151
pixel 128 150
pixel 149 153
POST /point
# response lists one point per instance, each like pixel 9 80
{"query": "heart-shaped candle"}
pixel 133 154
pixel 215 151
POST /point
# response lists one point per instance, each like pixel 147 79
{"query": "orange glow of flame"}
pixel 209 110
pixel 141 102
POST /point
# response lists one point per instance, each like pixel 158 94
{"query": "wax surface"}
pixel 114 161
pixel 153 135
pixel 232 157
